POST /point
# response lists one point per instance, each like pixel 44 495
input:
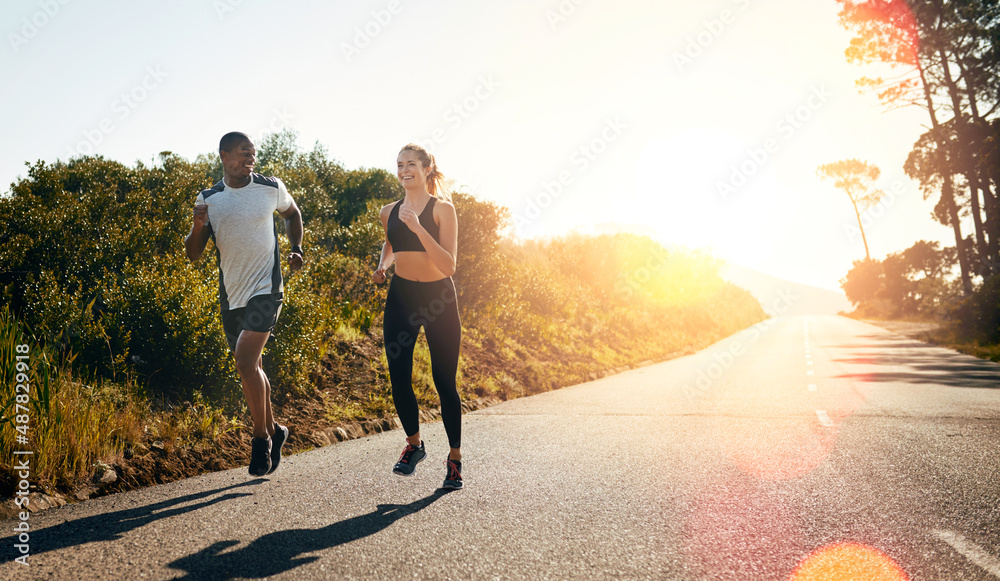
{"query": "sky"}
pixel 700 124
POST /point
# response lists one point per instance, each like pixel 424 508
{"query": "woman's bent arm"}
pixel 442 254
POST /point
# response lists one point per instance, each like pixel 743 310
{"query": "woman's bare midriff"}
pixel 417 266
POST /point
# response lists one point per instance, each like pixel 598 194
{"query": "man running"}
pixel 238 215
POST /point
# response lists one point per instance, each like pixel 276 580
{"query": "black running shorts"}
pixel 260 314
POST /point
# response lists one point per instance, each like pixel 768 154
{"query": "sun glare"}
pixel 848 562
pixel 678 181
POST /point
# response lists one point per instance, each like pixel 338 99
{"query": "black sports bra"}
pixel 402 238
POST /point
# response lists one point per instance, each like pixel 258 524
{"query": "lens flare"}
pixel 848 562
pixel 777 450
pixel 889 25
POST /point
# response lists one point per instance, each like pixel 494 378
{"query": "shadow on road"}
pixel 111 526
pixel 281 551
pixel 917 363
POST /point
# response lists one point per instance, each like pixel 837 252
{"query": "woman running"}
pixel 421 237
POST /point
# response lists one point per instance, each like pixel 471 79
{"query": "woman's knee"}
pixel 448 395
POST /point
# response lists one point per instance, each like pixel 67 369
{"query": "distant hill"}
pixel 777 296
pixel 782 297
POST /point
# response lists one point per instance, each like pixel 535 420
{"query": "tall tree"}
pixel 857 179
pixel 963 30
pixel 944 57
pixel 930 164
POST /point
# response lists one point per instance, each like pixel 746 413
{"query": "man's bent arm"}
pixel 293 224
pixel 195 243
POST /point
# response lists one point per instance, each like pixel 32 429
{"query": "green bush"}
pixel 362 240
pixel 482 271
pixel 978 316
pixel 162 316
pixel 344 280
pixel 304 326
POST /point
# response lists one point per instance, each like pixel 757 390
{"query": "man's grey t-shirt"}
pixel 246 238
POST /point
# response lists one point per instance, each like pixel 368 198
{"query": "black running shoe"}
pixel 453 480
pixel 408 459
pixel 260 456
pixel 277 441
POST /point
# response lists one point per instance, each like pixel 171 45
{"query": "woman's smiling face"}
pixel 410 170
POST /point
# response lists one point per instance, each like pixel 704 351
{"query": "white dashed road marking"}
pixel 971 551
pixel 824 419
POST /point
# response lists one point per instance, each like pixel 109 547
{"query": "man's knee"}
pixel 248 351
pixel 247 365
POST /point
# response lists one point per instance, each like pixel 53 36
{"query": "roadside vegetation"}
pixel 130 379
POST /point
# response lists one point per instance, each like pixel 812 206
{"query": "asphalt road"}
pixel 802 446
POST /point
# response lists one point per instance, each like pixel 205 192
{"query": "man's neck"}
pixel 237 182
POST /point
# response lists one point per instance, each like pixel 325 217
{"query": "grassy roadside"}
pixel 938 333
pixel 949 337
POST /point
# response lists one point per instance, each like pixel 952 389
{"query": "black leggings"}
pixel 410 305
